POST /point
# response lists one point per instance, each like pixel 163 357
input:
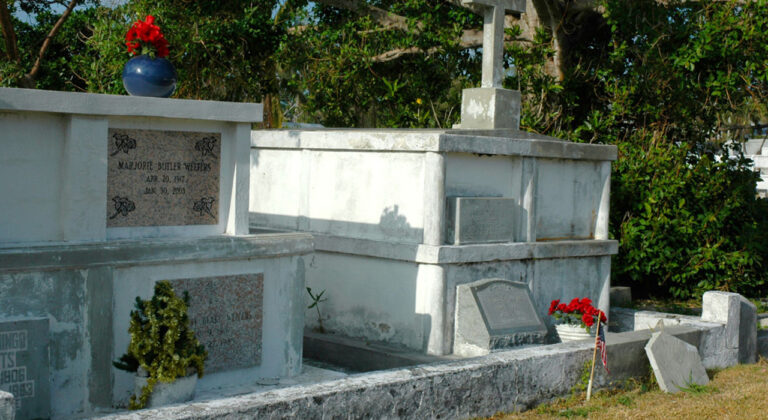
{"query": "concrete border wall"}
pixel 512 380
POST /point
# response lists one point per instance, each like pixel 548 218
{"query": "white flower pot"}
pixel 163 393
pixel 570 332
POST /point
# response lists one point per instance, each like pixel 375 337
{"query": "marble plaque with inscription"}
pixel 474 220
pixel 493 314
pixel 226 315
pixel 24 365
pixel 162 178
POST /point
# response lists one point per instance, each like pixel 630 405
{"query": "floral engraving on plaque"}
pixel 123 205
pixel 204 206
pixel 205 146
pixel 123 143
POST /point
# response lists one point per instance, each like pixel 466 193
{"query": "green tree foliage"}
pixel 662 80
pixel 221 49
pixel 348 71
pixel 56 71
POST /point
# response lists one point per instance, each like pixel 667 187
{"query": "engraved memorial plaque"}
pixel 475 220
pixel 162 178
pixel 494 314
pixel 506 306
pixel 226 315
pixel 24 366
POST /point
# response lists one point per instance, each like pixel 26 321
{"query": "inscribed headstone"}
pixel 676 364
pixel 162 178
pixel 493 314
pixel 226 315
pixel 24 365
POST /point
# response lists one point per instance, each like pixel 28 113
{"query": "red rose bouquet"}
pixel 578 312
pixel 145 37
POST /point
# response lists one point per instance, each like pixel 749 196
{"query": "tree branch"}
pixel 30 77
pixel 382 17
pixel 9 35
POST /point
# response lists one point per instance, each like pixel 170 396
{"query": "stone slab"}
pixel 226 314
pixel 473 220
pixel 747 331
pixel 38 100
pixel 494 314
pixel 24 366
pixel 676 364
pixel 621 296
pixel 490 108
pixel 7 406
pixel 162 178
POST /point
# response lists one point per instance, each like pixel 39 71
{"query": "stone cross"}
pixel 493 36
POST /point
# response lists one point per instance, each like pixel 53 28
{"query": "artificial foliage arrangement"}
pixel 577 312
pixel 162 342
pixel 144 37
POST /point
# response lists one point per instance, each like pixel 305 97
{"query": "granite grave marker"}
pixel 225 313
pixel 24 366
pixel 472 220
pixel 162 178
pixel 676 364
pixel 494 314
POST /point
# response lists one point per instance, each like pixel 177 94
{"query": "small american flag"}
pixel 603 348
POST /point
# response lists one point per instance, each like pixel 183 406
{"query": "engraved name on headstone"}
pixel 24 366
pixel 226 315
pixel 162 178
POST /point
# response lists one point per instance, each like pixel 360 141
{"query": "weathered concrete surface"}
pixel 762 343
pixel 36 100
pixel 501 381
pixel 7 407
pixel 726 341
pixel 621 296
pixel 86 292
pixel 676 364
pixel 740 317
pixel 153 251
pixel 490 108
pixel 479 220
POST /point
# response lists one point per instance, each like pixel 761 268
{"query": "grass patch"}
pixel 736 392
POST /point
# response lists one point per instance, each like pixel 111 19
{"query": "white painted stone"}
pixel 740 317
pixel 53 162
pixel 375 202
pixel 93 104
pixel 7 406
pixel 676 364
pixel 495 314
pixel 164 393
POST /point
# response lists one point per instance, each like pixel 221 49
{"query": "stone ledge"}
pixel 501 381
pixel 154 251
pixel 36 100
pixel 492 142
pixel 460 254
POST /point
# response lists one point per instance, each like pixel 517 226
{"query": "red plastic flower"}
pixel 144 34
pixel 553 306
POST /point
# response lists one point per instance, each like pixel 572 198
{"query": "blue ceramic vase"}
pixel 146 76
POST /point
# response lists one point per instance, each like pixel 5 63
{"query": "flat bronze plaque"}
pixel 162 178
